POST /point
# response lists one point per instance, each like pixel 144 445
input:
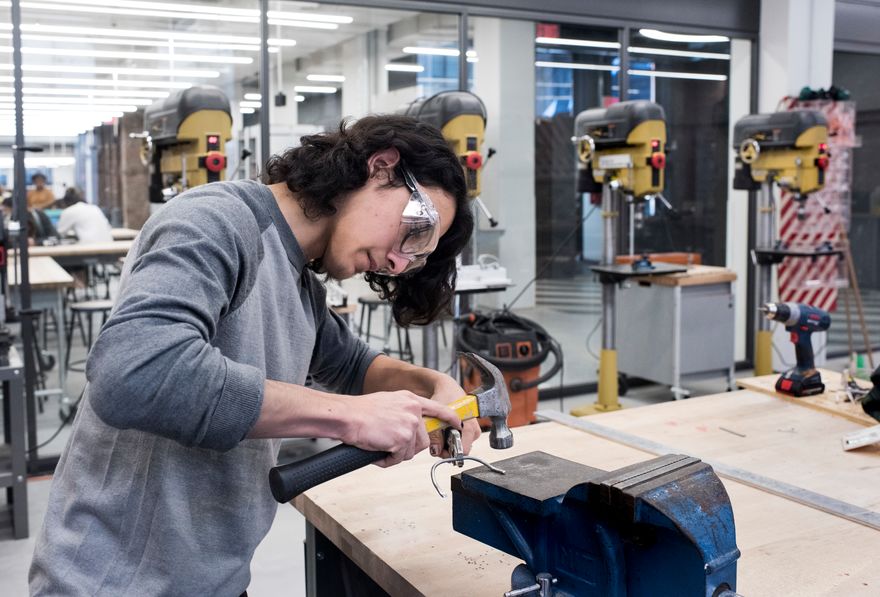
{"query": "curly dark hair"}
pixel 328 166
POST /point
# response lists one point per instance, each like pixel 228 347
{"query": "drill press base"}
pixel 800 383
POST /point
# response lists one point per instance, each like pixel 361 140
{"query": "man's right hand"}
pixel 392 422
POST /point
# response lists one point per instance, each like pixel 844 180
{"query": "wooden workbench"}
pixel 831 401
pixel 696 275
pixel 393 526
pixel 44 273
pixel 79 254
pixel 124 233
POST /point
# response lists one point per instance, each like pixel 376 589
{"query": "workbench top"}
pixel 696 275
pixel 394 526
pixel 43 273
pixel 116 247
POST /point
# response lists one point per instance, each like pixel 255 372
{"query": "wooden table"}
pixel 831 401
pixel 124 233
pixel 393 526
pixel 81 254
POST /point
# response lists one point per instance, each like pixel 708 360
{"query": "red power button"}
pixel 658 160
pixel 473 160
pixel 215 161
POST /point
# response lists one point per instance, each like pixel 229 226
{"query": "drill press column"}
pixel 763 290
pixel 607 399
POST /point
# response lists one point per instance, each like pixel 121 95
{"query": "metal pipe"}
pixel 462 50
pixel 766 232
pixel 609 291
pixel 264 83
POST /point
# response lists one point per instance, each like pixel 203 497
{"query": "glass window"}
pixel 688 76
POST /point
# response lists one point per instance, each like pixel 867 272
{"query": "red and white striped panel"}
pixel 815 281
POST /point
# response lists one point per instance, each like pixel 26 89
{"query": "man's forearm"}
pixel 290 410
pixel 387 374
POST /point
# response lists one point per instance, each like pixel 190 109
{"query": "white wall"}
pixel 505 80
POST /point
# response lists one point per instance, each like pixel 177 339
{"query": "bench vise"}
pixel 661 527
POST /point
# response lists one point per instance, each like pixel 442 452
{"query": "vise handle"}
pixel 289 480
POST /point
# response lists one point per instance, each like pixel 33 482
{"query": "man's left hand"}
pixel 447 390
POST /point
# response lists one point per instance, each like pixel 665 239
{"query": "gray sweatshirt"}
pixel 157 491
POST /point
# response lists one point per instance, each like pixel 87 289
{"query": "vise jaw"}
pixel 660 527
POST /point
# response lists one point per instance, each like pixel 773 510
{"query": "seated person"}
pixel 84 220
pixel 40 196
pixel 40 230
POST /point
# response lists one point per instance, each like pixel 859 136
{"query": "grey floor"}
pixel 278 566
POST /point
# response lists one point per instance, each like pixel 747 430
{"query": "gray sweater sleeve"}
pixel 153 366
pixel 340 360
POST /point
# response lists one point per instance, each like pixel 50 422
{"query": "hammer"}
pixel 489 400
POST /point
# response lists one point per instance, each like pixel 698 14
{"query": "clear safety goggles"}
pixel 419 230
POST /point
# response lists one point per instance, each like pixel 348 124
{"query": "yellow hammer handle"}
pixel 466 408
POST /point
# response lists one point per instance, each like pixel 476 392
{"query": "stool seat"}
pixel 93 306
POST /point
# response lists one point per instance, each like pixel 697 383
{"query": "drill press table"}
pixel 391 524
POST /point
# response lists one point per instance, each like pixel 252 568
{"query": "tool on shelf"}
pixel 801 321
pixel 489 400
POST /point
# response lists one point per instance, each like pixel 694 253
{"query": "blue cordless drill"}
pixel 800 321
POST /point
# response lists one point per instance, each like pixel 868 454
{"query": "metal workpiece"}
pixel 581 531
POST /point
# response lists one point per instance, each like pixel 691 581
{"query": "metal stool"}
pixel 404 346
pixel 87 309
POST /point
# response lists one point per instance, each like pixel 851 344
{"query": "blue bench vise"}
pixel 660 527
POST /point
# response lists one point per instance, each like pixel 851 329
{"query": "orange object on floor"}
pixel 523 403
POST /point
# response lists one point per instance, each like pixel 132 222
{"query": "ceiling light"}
pixel 405 68
pixel 247 104
pixel 246 110
pixel 48 161
pixel 68 107
pixel 582 43
pixel 254 97
pixel 677 75
pixel 161 57
pixel 176 36
pixel 578 66
pixel 119 70
pixel 313 89
pixel 190 11
pixel 326 78
pixel 679 37
pixel 472 59
pixel 430 51
pixel 99 82
pixel 87 92
pixel 299 98
pixel 110 41
pixel 28 98
pixel 682 53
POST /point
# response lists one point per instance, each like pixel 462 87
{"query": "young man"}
pixel 162 489
pixel 41 196
pixel 83 220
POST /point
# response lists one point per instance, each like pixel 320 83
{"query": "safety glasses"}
pixel 419 230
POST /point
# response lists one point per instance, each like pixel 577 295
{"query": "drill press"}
pixel 184 139
pixel 800 321
pixel 789 149
pixel 622 152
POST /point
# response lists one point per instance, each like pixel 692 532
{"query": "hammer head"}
pixel 493 400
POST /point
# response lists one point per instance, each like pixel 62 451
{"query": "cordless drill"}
pixel 801 321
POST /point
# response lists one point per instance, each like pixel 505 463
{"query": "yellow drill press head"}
pixel 184 137
pixel 625 142
pixel 788 148
pixel 461 117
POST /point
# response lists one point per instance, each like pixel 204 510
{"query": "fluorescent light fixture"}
pixel 472 59
pixel 87 92
pixel 48 161
pixel 405 68
pixel 299 98
pixel 247 104
pixel 682 38
pixel 119 70
pixel 313 89
pixel 677 75
pixel 247 110
pixel 151 43
pixel 581 43
pixel 578 66
pixel 176 36
pixel 161 57
pixel 326 78
pixel 95 101
pixel 430 51
pixel 34 107
pixel 108 83
pixel 274 50
pixel 188 11
pixel 682 53
pixel 254 97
